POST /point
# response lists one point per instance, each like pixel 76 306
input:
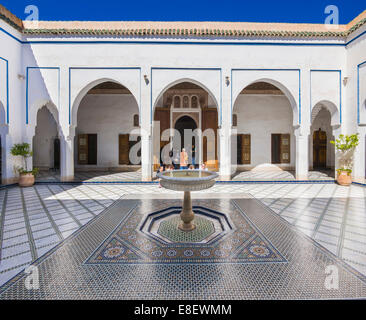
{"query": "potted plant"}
pixel 346 145
pixel 26 177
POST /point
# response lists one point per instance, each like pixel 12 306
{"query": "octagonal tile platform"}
pixel 162 226
pixel 230 237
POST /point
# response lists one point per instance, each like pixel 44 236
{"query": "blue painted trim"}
pixel 7 88
pixel 266 69
pixel 355 38
pixel 104 68
pixel 340 91
pixel 190 43
pixel 358 91
pixel 11 36
pixel 27 89
pixel 199 69
pixel 175 42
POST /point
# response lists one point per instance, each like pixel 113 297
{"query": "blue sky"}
pixel 311 11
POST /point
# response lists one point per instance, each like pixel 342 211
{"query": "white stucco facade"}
pixel 59 70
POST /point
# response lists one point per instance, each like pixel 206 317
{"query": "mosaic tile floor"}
pixel 130 176
pixel 278 175
pixel 34 220
pixel 245 244
pixel 65 274
pixel 92 176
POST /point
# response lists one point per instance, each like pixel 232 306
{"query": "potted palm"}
pixel 26 177
pixel 345 144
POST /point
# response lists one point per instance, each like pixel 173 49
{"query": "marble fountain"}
pixel 187 181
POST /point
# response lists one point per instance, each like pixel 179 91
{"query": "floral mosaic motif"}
pixel 245 244
pixel 258 249
pixel 116 251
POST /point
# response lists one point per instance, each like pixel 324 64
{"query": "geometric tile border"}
pixel 244 244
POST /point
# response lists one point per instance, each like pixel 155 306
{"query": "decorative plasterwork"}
pixel 192 29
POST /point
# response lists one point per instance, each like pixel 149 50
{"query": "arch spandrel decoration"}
pixel 164 78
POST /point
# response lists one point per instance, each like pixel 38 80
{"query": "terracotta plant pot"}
pixel 26 180
pixel 344 179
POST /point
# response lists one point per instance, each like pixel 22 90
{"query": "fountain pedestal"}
pixel 187 215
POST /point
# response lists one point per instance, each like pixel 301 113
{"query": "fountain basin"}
pixel 187 181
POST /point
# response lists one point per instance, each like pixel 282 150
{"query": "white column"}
pixel 67 157
pixel 225 153
pixel 146 125
pixel 66 130
pixel 224 132
pixel 8 161
pixel 359 163
pixel 302 153
pixel 146 165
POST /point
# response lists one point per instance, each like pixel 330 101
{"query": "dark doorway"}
pixel 320 149
pixel 187 123
pixel 56 154
pixel 276 148
pixel 92 149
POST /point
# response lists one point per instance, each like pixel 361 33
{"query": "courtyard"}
pixel 72 233
pixel 188 159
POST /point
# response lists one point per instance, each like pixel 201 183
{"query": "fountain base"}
pixel 187 215
pixel 186 227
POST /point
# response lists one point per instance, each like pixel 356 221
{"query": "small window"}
pixel 194 102
pixel 185 102
pixel 176 102
pixel 235 120
pixel 136 120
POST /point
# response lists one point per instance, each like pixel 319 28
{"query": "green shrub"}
pixel 23 150
pixel 346 145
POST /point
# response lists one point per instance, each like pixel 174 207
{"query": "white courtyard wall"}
pixel 356 98
pixel 43 141
pixel 63 68
pixel 11 98
pixel 260 116
pixel 107 116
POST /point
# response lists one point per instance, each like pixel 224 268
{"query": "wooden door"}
pixel 285 147
pixel 82 149
pixel 131 144
pixel 124 149
pixel 281 148
pixel 246 149
pixel 209 121
pixel 163 116
pixel 319 149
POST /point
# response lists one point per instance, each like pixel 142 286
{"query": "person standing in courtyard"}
pixel 183 159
